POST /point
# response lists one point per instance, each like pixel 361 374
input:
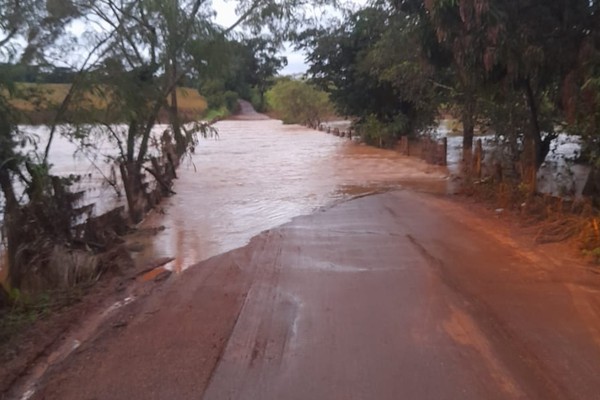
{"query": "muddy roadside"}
pixel 55 323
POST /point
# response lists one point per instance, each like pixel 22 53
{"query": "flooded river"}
pixel 259 174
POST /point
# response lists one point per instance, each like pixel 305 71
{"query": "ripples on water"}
pixel 261 174
pixel 257 175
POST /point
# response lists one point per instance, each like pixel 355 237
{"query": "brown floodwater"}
pixel 259 174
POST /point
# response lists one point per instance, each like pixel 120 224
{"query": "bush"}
pixel 297 102
pixel 377 133
pixel 218 97
pixel 230 100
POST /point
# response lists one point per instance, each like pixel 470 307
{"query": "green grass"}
pixel 25 311
pixel 215 114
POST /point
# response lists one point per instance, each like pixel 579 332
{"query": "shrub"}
pixel 297 102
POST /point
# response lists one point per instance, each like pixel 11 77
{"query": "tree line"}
pixel 526 70
pixel 37 73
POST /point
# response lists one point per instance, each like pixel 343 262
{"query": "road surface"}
pixel 393 296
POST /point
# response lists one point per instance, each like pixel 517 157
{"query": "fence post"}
pixel 478 158
pixel 404 145
pixel 445 151
pixel 431 149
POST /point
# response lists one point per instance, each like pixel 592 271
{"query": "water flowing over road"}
pixel 255 175
pixel 258 174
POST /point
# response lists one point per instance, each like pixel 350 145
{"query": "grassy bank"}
pixel 38 103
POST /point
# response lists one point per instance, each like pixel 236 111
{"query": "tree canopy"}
pixel 525 68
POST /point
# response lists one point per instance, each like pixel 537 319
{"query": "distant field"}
pixel 50 95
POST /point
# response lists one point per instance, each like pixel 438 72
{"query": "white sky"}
pixel 226 16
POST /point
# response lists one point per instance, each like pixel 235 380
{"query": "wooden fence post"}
pixel 444 160
pixel 478 159
pixel 404 145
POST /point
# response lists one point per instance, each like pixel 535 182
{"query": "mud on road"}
pixel 392 296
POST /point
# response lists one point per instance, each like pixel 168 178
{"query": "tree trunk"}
pixel 12 213
pixel 542 146
pixel 131 135
pixel 262 99
pixel 180 139
pixel 137 201
pixel 592 185
pixel 8 190
pixel 468 121
pixel 528 165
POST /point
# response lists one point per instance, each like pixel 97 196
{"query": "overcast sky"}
pixel 226 16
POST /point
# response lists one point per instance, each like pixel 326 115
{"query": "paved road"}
pixel 393 296
pixel 247 113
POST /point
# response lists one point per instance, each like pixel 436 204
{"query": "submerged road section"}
pixel 392 296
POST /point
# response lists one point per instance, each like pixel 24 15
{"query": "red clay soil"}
pixel 392 296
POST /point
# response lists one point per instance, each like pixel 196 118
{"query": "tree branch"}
pixel 243 17
pixel 67 100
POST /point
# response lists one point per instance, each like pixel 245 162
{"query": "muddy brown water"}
pixel 257 174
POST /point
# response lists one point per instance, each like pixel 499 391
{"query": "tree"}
pixel 367 65
pixel 509 58
pixel 27 29
pixel 297 102
pixel 228 68
pixel 138 53
pixel 459 28
pixel 263 64
pixel 538 45
pixel 153 52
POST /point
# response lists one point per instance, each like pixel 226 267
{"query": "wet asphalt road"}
pixel 393 296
